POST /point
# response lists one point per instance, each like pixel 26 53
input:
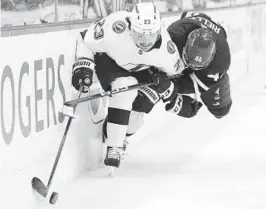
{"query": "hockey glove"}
pixel 164 87
pixel 146 99
pixel 148 96
pixel 183 106
pixel 82 74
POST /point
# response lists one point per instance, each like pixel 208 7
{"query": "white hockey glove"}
pixel 83 70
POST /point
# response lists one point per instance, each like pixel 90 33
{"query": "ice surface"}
pixel 200 163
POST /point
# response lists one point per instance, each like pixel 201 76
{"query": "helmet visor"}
pixel 145 41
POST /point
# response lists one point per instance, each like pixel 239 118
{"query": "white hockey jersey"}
pixel 111 35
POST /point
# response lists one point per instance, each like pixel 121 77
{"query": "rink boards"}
pixel 36 81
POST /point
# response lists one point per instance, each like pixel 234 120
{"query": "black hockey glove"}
pixel 150 95
pixel 183 106
pixel 146 99
pixel 164 87
pixel 83 74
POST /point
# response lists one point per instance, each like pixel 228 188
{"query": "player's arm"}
pixel 218 97
pixel 194 14
pixel 214 92
pixel 179 31
pixel 88 43
pixel 182 104
pixel 93 39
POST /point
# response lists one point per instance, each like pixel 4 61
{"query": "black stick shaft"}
pixel 59 152
pixel 61 146
pixel 107 93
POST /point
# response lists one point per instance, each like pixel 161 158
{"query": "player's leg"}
pixel 113 76
pixel 135 123
pixel 139 106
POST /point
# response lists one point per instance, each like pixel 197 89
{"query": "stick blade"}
pixel 111 171
pixel 39 186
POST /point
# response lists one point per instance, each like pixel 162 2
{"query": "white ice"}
pixel 200 163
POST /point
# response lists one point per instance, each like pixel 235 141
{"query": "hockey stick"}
pixel 36 183
pixel 73 103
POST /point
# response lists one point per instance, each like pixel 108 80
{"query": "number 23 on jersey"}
pixel 98 29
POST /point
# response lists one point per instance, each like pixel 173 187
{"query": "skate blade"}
pixel 124 155
pixel 111 170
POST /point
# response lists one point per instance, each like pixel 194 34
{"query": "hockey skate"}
pixel 125 144
pixel 104 139
pixel 113 158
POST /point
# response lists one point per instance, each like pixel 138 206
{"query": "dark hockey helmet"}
pixel 200 49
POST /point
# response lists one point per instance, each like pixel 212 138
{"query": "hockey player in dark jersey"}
pixel 205 52
pixel 202 72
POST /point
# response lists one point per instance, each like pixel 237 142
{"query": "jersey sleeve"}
pixel 179 32
pixel 194 14
pixel 169 56
pixel 92 40
pixel 218 97
pixel 214 90
pixel 171 59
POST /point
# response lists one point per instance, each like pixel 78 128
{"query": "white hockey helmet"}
pixel 145 25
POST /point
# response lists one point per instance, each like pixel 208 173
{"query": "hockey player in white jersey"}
pixel 120 49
